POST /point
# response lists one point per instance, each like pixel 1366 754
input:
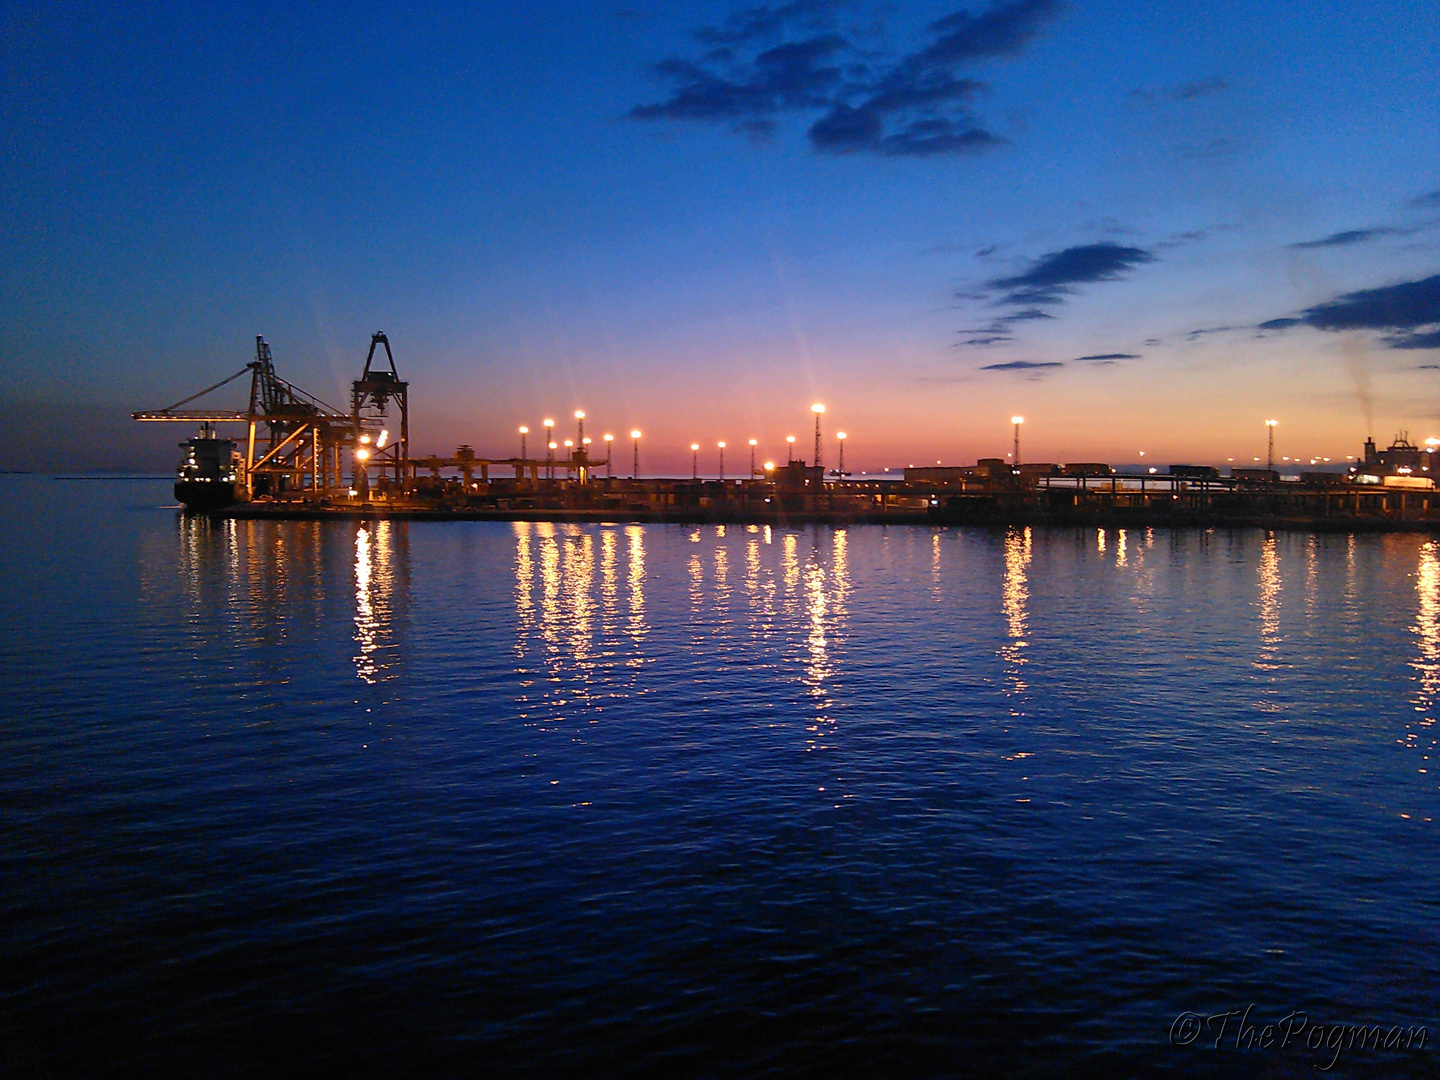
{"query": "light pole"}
pixel 819 411
pixel 609 469
pixel 753 444
pixel 523 432
pixel 721 445
pixel 1270 458
pixel 635 461
pixel 841 437
pixel 580 423
pixel 1017 421
pixel 550 454
pixel 790 449
pixel 694 461
pixel 569 453
pixel 584 467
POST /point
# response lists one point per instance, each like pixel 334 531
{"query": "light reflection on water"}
pixel 577 778
pixel 1014 594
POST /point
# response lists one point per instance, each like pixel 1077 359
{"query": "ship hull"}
pixel 205 494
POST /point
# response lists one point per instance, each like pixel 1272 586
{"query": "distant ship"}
pixel 206 478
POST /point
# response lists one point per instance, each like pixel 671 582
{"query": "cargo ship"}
pixel 207 478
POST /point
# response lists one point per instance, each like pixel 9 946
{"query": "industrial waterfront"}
pixel 296 457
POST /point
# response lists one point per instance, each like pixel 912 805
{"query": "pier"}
pixel 297 457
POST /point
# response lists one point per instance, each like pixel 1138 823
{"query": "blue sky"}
pixel 697 218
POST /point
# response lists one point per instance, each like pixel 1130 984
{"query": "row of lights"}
pixel 552 446
pixel 818 409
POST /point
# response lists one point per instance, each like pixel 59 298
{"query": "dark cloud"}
pixel 762 22
pixel 1001 328
pixel 1351 236
pixel 1022 365
pixel 792 76
pixel 1279 324
pixel 1430 339
pixel 1426 202
pixel 1196 335
pixel 1106 358
pixel 1002 31
pixel 1407 313
pixel 1188 91
pixel 1427 367
pixel 1055 276
pixel 887 104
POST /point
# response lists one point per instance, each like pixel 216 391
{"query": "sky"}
pixel 1144 227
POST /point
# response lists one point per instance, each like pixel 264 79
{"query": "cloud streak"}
pixel 1053 277
pixel 769 61
pixel 1046 283
pixel 1351 236
pixel 1023 365
pixel 1406 314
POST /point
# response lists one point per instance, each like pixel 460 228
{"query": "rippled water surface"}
pixel 473 798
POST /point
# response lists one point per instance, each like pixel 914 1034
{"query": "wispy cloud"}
pixel 1187 91
pixel 1426 202
pixel 1105 358
pixel 1045 284
pixel 767 61
pixel 1053 277
pixel 1407 314
pixel 764 21
pixel 1023 365
pixel 1352 236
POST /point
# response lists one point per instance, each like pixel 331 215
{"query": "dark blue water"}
pixel 485 799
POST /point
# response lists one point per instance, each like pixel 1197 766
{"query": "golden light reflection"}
pixel 760 587
pixel 374 592
pixel 1427 630
pixel 1120 547
pixel 1269 602
pixel 1100 541
pixel 936 592
pixel 696 574
pixel 1015 594
pixel 578 610
pixel 609 586
pixel 722 577
pixel 821 613
pixel 578 613
pixel 635 580
pixel 1312 575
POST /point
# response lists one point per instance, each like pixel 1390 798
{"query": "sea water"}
pixel 474 798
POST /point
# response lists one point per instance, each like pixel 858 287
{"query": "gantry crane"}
pixel 294 441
